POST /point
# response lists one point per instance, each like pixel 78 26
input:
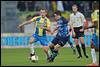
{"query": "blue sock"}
pixel 52 49
pixel 55 53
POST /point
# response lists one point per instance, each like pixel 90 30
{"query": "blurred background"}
pixel 15 12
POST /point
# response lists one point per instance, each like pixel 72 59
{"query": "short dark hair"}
pixel 58 13
pixel 44 9
pixel 74 5
pixel 95 5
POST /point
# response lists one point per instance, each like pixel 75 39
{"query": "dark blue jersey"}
pixel 62 27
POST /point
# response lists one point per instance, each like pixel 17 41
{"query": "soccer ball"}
pixel 34 58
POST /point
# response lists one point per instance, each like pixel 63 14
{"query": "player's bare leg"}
pixel 93 53
pixel 51 46
pixel 32 46
pixel 45 48
pixel 94 60
pixel 83 46
pixel 78 48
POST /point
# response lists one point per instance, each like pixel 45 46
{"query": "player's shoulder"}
pixel 64 20
pixel 97 10
pixel 35 17
pixel 95 13
pixel 71 14
pixel 47 19
pixel 38 17
pixel 79 13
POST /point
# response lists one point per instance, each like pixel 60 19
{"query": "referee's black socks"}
pixel 84 50
pixel 79 50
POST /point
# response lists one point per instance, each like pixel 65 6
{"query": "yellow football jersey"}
pixel 95 17
pixel 40 23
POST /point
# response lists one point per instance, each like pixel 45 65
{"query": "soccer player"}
pixel 61 36
pixel 42 25
pixel 76 22
pixel 95 23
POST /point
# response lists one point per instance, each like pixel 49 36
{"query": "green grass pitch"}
pixel 19 57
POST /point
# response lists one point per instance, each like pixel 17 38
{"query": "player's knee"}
pixel 76 41
pixel 45 48
pixel 92 46
pixel 31 40
pixel 82 40
pixel 57 47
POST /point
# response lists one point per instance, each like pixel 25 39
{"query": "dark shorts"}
pixel 78 33
pixel 60 40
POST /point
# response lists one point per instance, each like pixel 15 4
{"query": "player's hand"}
pixel 19 26
pixel 81 30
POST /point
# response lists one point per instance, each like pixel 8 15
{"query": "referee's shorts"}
pixel 78 33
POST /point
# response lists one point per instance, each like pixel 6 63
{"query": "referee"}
pixel 77 20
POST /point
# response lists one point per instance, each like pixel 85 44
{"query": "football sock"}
pixel 55 52
pixel 78 49
pixel 48 54
pixel 32 48
pixel 93 55
pixel 84 50
pixel 71 46
pixel 52 49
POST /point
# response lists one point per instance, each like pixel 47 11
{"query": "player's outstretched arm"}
pixel 71 26
pixel 72 29
pixel 48 29
pixel 25 23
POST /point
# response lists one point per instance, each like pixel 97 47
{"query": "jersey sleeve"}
pixel 94 17
pixel 48 23
pixel 83 18
pixel 33 19
pixel 65 21
pixel 71 21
